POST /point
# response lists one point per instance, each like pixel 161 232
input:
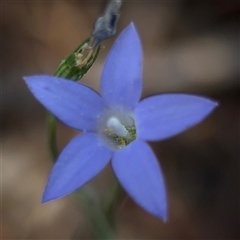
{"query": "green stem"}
pixel 100 225
pixel 112 200
pixel 52 136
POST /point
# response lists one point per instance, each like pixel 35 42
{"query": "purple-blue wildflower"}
pixel 116 126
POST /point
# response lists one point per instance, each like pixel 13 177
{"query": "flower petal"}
pixel 140 175
pixel 73 103
pixel 82 159
pixel 163 116
pixel 121 80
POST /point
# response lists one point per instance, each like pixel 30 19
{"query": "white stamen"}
pixel 116 126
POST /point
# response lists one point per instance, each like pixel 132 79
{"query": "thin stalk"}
pixel 112 200
pixel 52 136
pixel 98 222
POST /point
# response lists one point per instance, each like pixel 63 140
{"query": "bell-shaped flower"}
pixel 116 126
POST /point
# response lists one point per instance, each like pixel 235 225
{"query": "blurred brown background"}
pixel 189 46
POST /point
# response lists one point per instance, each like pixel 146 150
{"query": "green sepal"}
pixel 68 67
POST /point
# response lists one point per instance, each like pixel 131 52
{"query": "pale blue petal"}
pixel 82 159
pixel 73 103
pixel 163 116
pixel 121 80
pixel 140 175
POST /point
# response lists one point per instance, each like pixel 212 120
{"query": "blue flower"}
pixel 116 126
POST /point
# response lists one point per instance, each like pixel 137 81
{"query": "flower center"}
pixel 117 128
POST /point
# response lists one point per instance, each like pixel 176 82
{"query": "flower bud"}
pixel 75 65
